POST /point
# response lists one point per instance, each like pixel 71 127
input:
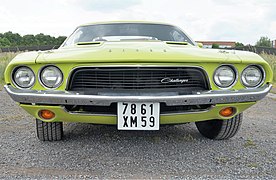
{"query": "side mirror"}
pixel 200 45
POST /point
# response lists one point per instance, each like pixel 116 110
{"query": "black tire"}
pixel 49 131
pixel 220 129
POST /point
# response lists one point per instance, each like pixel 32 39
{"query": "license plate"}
pixel 138 116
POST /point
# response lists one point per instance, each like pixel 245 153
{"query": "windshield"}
pixel 127 31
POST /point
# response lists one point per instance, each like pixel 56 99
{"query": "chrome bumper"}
pixel 54 97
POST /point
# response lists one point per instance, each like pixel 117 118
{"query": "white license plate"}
pixel 138 116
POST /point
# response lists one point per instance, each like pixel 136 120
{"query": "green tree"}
pixel 10 39
pixel 238 44
pixel 60 40
pixel 4 42
pixel 264 42
pixel 29 40
pixel 41 39
pixel 14 38
pixel 45 39
pixel 215 46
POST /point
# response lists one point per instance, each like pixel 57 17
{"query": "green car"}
pixel 138 76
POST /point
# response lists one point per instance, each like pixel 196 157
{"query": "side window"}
pixel 177 36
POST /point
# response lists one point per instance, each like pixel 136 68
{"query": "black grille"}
pixel 137 78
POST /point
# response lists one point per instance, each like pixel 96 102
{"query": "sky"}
pixel 224 20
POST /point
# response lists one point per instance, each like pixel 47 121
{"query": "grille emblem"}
pixel 170 80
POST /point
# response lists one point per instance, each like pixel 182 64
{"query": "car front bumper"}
pixel 62 115
pixel 54 97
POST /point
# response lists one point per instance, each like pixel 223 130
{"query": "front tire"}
pixel 220 129
pixel 49 131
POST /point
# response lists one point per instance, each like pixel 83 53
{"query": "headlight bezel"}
pixel 261 69
pixel 235 72
pixel 15 69
pixel 45 85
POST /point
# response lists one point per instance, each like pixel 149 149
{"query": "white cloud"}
pixel 106 5
pixel 243 21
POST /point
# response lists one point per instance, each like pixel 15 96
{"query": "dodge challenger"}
pixel 137 76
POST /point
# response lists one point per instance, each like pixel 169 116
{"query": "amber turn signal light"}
pixel 227 112
pixel 46 114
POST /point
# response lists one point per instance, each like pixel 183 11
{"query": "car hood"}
pixel 136 52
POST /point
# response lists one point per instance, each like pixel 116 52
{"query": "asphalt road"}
pixel 90 151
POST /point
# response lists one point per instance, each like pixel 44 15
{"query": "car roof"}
pixel 115 22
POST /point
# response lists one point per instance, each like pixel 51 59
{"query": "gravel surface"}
pixel 90 151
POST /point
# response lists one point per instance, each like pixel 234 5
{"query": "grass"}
pixel 249 143
pixel 222 160
pixel 271 59
pixel 5 58
pixel 253 165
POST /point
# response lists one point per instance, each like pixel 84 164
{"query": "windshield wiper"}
pixel 177 43
pixel 88 43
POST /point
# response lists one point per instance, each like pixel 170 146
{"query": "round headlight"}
pixel 252 76
pixel 23 77
pixel 51 77
pixel 224 76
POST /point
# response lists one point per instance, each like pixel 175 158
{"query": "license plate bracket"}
pixel 138 116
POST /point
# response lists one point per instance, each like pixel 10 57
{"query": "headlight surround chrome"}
pixel 50 76
pixel 252 76
pixel 225 76
pixel 23 77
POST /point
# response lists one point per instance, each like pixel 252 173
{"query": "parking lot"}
pixel 96 151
